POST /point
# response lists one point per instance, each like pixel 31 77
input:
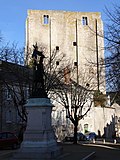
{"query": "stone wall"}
pixel 100 120
pixel 62 29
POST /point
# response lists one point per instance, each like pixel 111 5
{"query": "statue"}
pixel 38 88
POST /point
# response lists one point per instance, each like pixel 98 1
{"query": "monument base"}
pixel 39 139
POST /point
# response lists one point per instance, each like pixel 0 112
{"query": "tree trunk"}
pixel 75 133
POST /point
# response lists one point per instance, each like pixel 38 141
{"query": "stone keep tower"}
pixel 75 34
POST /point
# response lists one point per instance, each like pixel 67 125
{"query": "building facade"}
pixel 75 34
pixel 14 91
pixel 79 36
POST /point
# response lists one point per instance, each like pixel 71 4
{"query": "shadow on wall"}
pixel 109 130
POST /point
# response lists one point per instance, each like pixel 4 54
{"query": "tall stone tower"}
pixel 76 34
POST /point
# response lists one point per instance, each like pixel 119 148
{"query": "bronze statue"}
pixel 38 88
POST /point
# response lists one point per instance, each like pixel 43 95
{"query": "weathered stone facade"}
pixel 73 32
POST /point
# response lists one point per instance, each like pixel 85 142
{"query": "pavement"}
pixel 99 150
pixel 5 154
pixel 76 152
pixel 70 152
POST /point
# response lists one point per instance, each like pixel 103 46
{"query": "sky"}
pixel 13 13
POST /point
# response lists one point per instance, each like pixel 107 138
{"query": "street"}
pixel 105 152
pixel 81 151
pixel 108 151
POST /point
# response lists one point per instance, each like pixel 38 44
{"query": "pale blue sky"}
pixel 13 13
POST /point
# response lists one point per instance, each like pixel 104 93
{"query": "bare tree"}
pixel 11 53
pixel 13 68
pixel 59 80
pixel 55 66
pixel 69 89
pixel 112 37
pixel 76 98
pixel 15 78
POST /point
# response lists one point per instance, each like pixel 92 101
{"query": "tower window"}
pixel 74 43
pixel 57 63
pixel 46 19
pixel 84 21
pixel 57 48
pixel 75 64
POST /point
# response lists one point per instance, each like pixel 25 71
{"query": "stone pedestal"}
pixel 39 139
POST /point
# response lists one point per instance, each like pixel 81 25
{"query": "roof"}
pixel 11 72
